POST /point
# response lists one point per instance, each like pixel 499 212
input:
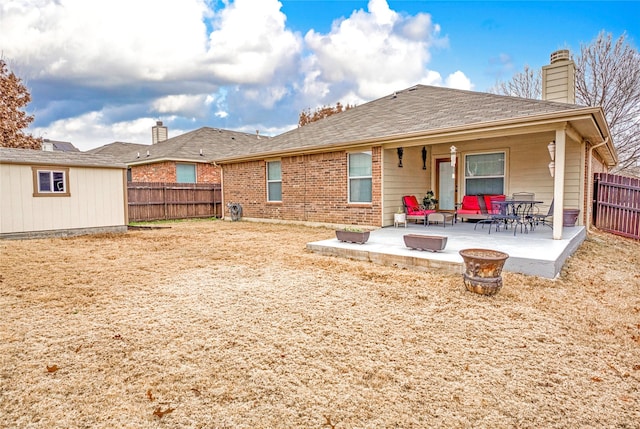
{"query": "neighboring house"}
pixel 120 151
pixel 55 145
pixel 354 167
pixel 185 158
pixel 60 193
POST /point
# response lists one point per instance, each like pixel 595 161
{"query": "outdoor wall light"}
pixel 552 150
pixel 400 153
pixel 424 158
pixel 453 161
pixel 551 147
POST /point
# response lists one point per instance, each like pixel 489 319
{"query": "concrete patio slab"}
pixel 534 253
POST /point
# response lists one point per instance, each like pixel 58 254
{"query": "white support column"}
pixel 558 183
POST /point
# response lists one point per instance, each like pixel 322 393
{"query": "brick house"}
pixel 182 159
pixel 354 167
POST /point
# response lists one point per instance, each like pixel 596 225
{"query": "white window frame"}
pixel 350 178
pixel 270 181
pixel 489 152
pixel 53 191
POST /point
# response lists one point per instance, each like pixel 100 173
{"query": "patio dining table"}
pixel 522 210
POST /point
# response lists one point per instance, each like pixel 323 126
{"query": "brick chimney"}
pixel 159 133
pixel 559 78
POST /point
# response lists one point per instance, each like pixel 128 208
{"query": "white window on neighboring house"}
pixel 50 182
pixel 484 173
pixel 360 177
pixel 274 181
pixel 186 173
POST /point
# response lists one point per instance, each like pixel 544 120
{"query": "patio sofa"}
pixel 477 207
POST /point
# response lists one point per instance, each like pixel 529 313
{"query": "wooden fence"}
pixel 157 200
pixel 616 202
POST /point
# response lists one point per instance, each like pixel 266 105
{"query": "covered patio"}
pixel 533 253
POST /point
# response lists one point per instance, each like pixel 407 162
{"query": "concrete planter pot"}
pixel 483 270
pixel 431 243
pixel 359 237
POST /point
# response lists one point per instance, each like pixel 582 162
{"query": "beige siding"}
pixel 558 82
pixel 411 179
pixel 97 200
pixel 527 169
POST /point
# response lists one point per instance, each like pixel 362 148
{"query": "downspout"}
pixel 221 189
pixel 590 175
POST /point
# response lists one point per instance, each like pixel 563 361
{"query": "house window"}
pixel 359 166
pixel 274 181
pixel 186 173
pixel 50 182
pixel 484 173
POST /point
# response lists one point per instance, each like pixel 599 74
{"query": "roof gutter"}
pixel 164 159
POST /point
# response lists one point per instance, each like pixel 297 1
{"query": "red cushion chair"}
pixel 414 210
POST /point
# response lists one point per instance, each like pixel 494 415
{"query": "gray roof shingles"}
pixel 213 142
pixel 119 150
pixel 420 108
pixel 57 158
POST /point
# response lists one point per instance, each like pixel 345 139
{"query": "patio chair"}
pixel 523 196
pixel 489 218
pixel 525 214
pixel 499 215
pixel 544 218
pixel 414 210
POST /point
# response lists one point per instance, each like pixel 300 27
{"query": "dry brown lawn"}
pixel 212 324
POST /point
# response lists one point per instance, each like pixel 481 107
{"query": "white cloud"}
pixel 458 80
pixel 372 52
pixel 184 105
pixel 104 42
pixel 250 43
pixel 91 130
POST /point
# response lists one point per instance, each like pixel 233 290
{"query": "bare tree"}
pixel 306 117
pixel 526 84
pixel 14 96
pixel 607 75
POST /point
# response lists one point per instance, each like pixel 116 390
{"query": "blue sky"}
pixel 106 71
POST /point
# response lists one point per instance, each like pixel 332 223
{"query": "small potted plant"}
pixel 400 217
pixel 350 234
pixel 429 201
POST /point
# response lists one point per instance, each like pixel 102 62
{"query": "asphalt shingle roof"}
pixel 213 142
pixel 420 108
pixel 119 150
pixel 57 158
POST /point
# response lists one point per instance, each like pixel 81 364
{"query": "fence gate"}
pixel 616 204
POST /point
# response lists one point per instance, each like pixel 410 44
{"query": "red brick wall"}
pixel 166 172
pixel 314 189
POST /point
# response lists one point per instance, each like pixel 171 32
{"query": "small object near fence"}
pixel 235 210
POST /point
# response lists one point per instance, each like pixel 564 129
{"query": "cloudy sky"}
pixel 104 71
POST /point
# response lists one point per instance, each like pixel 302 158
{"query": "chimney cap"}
pixel 560 55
